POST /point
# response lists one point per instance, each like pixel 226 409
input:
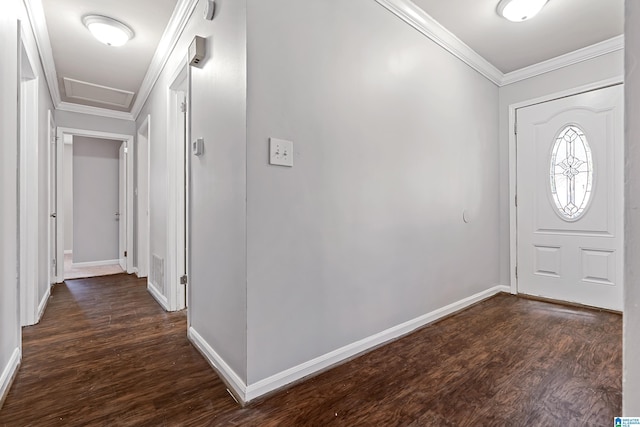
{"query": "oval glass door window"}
pixel 571 173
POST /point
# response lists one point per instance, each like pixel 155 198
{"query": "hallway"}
pixel 106 354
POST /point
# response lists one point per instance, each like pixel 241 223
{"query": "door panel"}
pixel 569 185
pixel 121 215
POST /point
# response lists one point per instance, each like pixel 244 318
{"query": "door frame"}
pixel 177 171
pixel 28 190
pixel 513 185
pixel 141 192
pixel 128 216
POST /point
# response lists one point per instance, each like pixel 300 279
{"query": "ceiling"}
pixel 94 74
pixel 562 26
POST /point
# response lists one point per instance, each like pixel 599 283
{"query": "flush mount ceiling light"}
pixel 108 30
pixel 520 10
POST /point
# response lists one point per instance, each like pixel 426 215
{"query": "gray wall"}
pixel 95 199
pixel 68 196
pixel 218 106
pixel 9 319
pixel 393 139
pixel 631 379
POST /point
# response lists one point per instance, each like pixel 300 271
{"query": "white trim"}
pixel 329 359
pixel 43 303
pixel 38 21
pixel 424 23
pixel 177 137
pixel 61 131
pixel 247 393
pixel 95 263
pixel 228 375
pixel 144 231
pixel 571 58
pixel 94 111
pixel 9 373
pixel 157 295
pixel 177 23
pixel 513 230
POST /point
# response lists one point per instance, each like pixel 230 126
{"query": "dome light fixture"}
pixel 520 10
pixel 108 30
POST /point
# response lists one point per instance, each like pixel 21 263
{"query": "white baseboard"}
pixel 68 251
pixel 8 374
pixel 155 293
pixel 96 263
pixel 43 304
pixel 323 362
pixel 228 375
pixel 247 393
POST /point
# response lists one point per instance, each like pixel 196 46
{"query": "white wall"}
pixel 631 375
pixel 218 107
pixel 68 195
pixel 95 199
pixel 74 120
pixel 393 139
pixel 598 69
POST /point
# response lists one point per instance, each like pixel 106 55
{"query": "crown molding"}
pixel 172 33
pixel 35 12
pixel 94 111
pixel 571 58
pixel 424 23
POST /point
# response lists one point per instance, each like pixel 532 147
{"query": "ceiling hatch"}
pixel 97 93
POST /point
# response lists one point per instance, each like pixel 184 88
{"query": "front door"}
pixel 570 198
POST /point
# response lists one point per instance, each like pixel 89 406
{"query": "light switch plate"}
pixel 280 152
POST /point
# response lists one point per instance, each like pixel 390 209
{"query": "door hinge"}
pixel 516 200
pixel 183 279
pixel 125 253
pixel 516 271
pixel 183 107
pixel 54 262
pixel 515 128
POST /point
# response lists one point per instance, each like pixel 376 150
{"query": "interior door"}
pixel 570 198
pixel 53 200
pixel 121 215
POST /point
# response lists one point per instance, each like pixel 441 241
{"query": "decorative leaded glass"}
pixel 571 173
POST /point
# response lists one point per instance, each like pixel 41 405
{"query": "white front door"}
pixel 570 198
pixel 121 215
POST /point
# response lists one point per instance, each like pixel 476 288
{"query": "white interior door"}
pixel 570 198
pixel 121 215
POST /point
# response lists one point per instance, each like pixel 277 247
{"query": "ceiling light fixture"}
pixel 108 30
pixel 520 10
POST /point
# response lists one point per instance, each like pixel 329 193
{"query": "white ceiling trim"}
pixel 35 12
pixel 172 33
pixel 95 111
pixel 580 55
pixel 424 23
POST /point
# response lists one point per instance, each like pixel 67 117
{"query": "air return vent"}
pixel 157 273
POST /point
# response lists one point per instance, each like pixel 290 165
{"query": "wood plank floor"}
pixel 105 354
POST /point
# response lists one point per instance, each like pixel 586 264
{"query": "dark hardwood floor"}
pixel 105 354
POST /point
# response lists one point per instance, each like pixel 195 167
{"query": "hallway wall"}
pixel 217 281
pixel 631 363
pixel 12 11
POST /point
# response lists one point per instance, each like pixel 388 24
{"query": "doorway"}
pixel 569 202
pixel 94 214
